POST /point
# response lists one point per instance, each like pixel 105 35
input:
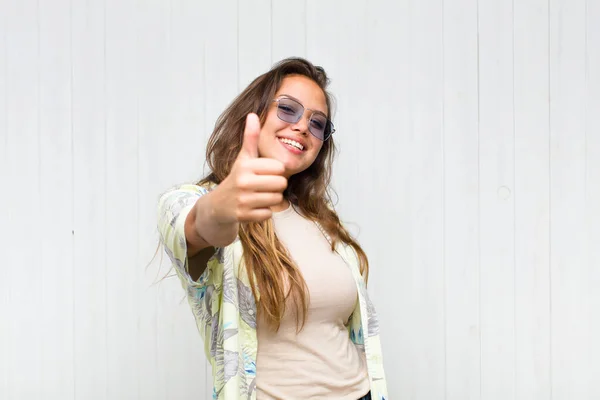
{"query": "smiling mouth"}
pixel 292 143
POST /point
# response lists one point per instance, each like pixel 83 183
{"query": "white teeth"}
pixel 292 143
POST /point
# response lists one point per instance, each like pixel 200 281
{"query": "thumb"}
pixel 251 133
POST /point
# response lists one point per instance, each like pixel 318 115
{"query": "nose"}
pixel 302 124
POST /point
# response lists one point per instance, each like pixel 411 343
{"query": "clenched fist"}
pixel 253 185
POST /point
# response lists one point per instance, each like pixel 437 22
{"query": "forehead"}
pixel 305 90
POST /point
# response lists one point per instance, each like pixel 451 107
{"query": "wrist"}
pixel 209 224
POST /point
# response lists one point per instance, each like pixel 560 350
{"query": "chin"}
pixel 293 169
pixel 296 166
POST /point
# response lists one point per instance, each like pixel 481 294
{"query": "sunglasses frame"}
pixel 304 109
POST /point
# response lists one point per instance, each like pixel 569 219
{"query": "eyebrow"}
pixel 293 98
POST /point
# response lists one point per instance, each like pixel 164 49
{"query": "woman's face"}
pixel 302 147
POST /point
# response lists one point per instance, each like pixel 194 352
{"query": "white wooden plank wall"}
pixel 469 133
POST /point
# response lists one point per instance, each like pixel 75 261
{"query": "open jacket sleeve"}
pixel 173 209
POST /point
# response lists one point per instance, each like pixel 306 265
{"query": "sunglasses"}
pixel 290 111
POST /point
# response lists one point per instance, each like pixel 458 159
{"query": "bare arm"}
pixel 203 230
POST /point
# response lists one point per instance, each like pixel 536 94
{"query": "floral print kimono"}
pixel 225 308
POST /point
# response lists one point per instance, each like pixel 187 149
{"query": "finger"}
pixel 251 133
pixel 265 166
pixel 263 183
pixel 256 215
pixel 261 200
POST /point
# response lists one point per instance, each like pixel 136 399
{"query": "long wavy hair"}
pixel 270 268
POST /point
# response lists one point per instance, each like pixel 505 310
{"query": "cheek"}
pixel 273 123
pixel 317 145
pixel 267 131
pixel 270 128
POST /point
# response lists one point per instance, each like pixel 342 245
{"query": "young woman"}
pixel 276 283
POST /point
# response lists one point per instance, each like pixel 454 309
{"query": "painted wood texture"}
pixel 469 169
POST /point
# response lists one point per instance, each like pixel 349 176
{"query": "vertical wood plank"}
pixel 89 201
pixel 532 201
pixel 56 188
pixel 593 189
pixel 318 27
pixel 151 44
pixel 122 300
pixel 23 203
pixel 496 168
pixel 254 37
pixel 570 325
pixel 425 188
pixel 221 59
pixel 187 82
pixel 5 313
pixel 461 201
pixel 373 121
pixel 153 41
pixel 288 29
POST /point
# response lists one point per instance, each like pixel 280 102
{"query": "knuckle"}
pixel 239 214
pixel 261 215
pixel 244 166
pixel 279 167
pixel 243 181
pixel 243 201
pixel 283 183
pixel 266 215
pixel 273 166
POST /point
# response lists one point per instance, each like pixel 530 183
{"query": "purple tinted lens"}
pixel 291 111
pixel 318 125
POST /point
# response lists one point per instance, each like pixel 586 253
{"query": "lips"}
pixel 297 140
